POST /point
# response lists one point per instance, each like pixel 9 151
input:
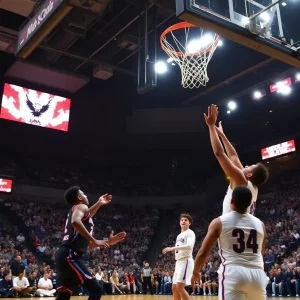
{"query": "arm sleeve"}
pixel 26 282
pixel 15 282
pixel 40 282
pixel 190 242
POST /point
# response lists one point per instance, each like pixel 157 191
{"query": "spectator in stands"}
pixel 206 283
pixel 45 287
pixel 106 284
pixel 52 277
pixel 290 280
pixel 6 287
pixel 155 280
pixel 2 271
pixel 212 283
pixel 21 285
pixel 115 284
pixel 17 267
pixel 33 281
pixel 20 238
pixel 269 259
pixel 278 282
pixel 99 277
pixel 130 282
pixel 168 284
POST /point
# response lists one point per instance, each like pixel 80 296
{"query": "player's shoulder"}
pixel 81 206
pixel 190 231
pixel 253 218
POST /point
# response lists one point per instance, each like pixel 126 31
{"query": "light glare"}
pixel 170 59
pixel 231 105
pixel 265 17
pixel 195 46
pixel 257 95
pixel 298 76
pixel 161 67
pixel 245 20
pixel 284 4
pixel 220 43
pixel 228 112
pixel 284 90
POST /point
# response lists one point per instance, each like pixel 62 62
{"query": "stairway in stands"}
pixel 161 232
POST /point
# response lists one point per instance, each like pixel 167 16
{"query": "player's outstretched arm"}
pixel 212 236
pixel 236 175
pixel 189 245
pixel 230 151
pixel 103 200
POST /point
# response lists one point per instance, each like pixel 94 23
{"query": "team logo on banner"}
pixel 36 108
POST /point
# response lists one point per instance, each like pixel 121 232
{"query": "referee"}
pixel 146 278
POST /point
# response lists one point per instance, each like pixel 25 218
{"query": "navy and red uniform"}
pixel 71 269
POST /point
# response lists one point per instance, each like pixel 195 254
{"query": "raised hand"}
pixel 105 199
pixel 212 115
pixel 115 239
pixel 220 129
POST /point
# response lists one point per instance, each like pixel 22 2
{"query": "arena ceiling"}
pixel 84 40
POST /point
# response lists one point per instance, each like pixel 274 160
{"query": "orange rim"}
pixel 184 25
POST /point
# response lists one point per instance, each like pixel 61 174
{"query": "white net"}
pixel 192 54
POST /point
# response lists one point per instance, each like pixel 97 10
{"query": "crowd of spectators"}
pixel 126 180
pixel 118 269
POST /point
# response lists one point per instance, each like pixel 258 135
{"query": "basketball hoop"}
pixel 193 54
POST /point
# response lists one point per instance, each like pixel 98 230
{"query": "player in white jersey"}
pixel 250 176
pixel 184 258
pixel 242 241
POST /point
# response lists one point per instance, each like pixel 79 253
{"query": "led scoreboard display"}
pixel 279 149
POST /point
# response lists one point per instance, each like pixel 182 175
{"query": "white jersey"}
pixel 228 197
pixel 241 240
pixel 185 240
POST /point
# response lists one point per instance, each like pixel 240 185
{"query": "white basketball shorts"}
pixel 242 283
pixel 183 271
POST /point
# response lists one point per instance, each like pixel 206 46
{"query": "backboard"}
pixel 267 26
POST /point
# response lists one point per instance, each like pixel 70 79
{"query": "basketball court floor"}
pixel 144 297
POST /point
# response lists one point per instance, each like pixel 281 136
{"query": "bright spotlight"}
pixel 245 20
pixel 197 45
pixel 220 43
pixel 161 67
pixel 298 76
pixel 257 95
pixel 265 17
pixel 194 46
pixel 228 112
pixel 231 105
pixel 283 4
pixel 170 59
pixel 285 90
pixel 206 40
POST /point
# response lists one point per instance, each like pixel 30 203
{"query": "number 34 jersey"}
pixel 241 240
